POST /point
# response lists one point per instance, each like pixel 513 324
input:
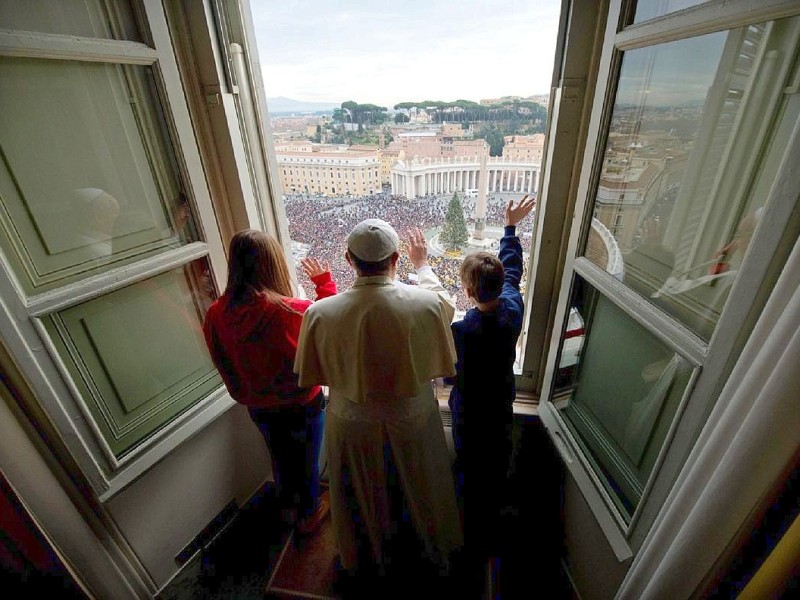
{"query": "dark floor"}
pixel 239 562
pixel 258 556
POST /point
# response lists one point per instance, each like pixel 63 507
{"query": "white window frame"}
pixel 580 31
pixel 717 356
pixel 20 315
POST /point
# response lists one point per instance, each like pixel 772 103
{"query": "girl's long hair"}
pixel 256 267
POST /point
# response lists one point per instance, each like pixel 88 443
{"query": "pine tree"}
pixel 454 232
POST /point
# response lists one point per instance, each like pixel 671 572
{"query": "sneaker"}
pixel 312 522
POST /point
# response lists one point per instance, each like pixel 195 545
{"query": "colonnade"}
pixel 445 176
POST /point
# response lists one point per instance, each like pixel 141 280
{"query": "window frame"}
pixel 580 35
pixel 717 356
pixel 21 317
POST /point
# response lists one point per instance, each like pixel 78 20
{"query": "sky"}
pixel 672 74
pixel 389 52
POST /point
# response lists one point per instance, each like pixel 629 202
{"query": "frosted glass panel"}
pixel 88 179
pixel 674 211
pixel 86 18
pixel 618 388
pixel 137 355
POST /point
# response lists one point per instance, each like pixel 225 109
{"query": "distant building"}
pixel 293 124
pixel 524 146
pixel 418 143
pixel 453 130
pixel 620 198
pixel 543 99
pixel 294 146
pixel 471 148
pixel 490 101
pixel 331 173
pixel 387 158
pixel 436 144
pixel 421 176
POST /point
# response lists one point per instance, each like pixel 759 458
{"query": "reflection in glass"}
pixel 650 9
pixel 618 389
pixel 137 355
pixel 674 209
pixel 84 18
pixel 88 178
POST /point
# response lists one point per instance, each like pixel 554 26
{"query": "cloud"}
pixel 475 49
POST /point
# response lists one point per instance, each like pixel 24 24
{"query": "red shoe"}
pixel 311 523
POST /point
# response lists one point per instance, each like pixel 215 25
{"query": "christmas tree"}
pixel 454 233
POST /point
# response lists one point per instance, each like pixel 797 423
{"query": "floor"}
pixel 258 556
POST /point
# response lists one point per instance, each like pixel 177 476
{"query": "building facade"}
pixel 424 176
pixel 345 173
pixel 521 147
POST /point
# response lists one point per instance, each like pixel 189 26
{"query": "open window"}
pixel 679 232
pixel 108 236
pixel 404 163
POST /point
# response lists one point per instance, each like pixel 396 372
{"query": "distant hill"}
pixel 282 104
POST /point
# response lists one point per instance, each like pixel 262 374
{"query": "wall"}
pixel 41 493
pixel 160 513
pixel 595 571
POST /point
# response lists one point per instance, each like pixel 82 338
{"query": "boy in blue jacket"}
pixel 483 391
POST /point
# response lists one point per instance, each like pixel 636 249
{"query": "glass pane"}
pixel 618 389
pixel 676 206
pixel 88 178
pixel 135 380
pixel 85 18
pixel 650 9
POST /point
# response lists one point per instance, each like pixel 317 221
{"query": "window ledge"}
pixel 525 403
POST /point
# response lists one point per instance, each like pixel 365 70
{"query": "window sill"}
pixel 525 404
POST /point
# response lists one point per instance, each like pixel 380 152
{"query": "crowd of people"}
pixel 322 224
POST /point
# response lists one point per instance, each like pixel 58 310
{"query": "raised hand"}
pixel 515 214
pixel 313 267
pixel 417 248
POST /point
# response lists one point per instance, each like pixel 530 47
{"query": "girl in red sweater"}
pixel 251 332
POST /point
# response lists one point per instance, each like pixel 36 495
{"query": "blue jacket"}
pixel 486 349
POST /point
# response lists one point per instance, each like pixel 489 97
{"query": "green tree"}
pixel 349 110
pixel 454 232
pixel 494 137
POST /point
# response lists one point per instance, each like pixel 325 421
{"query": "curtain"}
pixel 749 439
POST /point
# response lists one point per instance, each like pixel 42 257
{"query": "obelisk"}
pixel 480 205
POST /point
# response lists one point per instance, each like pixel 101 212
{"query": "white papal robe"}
pixel 378 346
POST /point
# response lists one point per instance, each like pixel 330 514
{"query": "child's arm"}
pixel 510 248
pixel 511 256
pixel 320 275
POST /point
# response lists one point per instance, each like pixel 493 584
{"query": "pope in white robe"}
pixel 377 347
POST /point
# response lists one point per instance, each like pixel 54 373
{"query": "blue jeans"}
pixel 294 439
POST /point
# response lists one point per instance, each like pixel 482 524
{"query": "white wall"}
pixel 166 508
pixel 595 570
